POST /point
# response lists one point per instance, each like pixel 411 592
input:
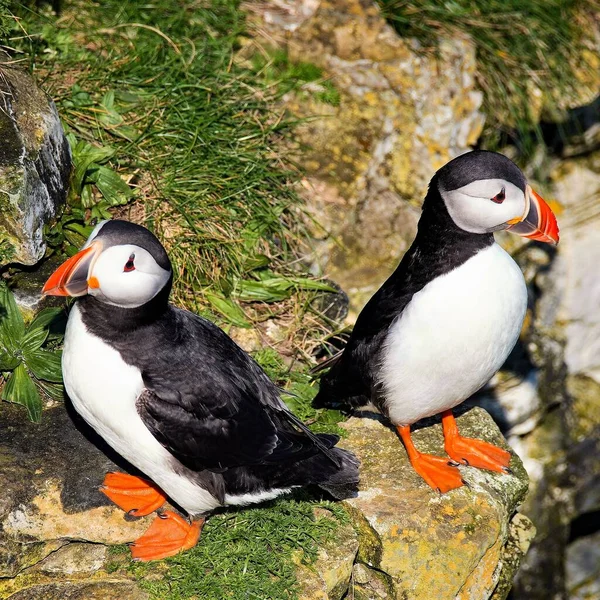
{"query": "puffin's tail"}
pixel 335 472
pixel 342 483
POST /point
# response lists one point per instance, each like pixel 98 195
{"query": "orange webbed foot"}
pixel 135 495
pixel 168 535
pixel 435 470
pixel 477 453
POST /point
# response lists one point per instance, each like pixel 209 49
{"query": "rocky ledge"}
pixel 401 539
pixel 407 540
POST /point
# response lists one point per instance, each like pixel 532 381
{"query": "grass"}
pixel 262 545
pixel 519 45
pixel 192 131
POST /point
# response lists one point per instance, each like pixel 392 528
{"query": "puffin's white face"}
pixel 126 276
pixel 119 265
pixel 485 205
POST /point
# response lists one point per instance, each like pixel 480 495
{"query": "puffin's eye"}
pixel 499 197
pixel 129 266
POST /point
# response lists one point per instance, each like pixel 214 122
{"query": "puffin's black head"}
pixel 485 192
pixel 121 264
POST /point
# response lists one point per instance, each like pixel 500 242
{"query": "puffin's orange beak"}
pixel 72 277
pixel 538 223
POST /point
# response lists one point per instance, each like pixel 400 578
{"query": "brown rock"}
pixel 422 540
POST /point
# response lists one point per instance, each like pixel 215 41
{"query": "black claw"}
pixel 453 463
pixel 465 483
pixel 129 516
pixel 466 462
pixel 508 470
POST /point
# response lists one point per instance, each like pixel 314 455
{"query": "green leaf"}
pixel 83 230
pixel 87 196
pixel 262 291
pixel 33 339
pixel 84 156
pixel 45 364
pixel 274 288
pixel 303 283
pixel 12 326
pixel 8 361
pixel 229 309
pixel 44 318
pixel 20 389
pixel 111 186
pixel 258 261
pixel 52 390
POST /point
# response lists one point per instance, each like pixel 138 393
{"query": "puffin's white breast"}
pixel 104 389
pixel 453 336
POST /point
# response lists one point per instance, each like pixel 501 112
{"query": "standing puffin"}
pixel 445 321
pixel 176 397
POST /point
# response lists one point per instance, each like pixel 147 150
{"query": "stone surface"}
pixel 35 165
pixel 572 293
pixel 401 116
pixel 105 590
pixel 583 568
pixel 329 576
pixel 50 475
pixel 415 539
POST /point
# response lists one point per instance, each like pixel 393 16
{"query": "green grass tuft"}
pixel 519 44
pixel 191 129
pixel 300 390
pixel 275 66
pixel 248 554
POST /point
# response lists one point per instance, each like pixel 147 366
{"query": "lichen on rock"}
pixel 412 539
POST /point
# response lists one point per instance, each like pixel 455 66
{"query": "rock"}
pixel 520 535
pixel 74 558
pixel 329 576
pixel 572 290
pixel 413 540
pixel 35 165
pixel 50 508
pixel 583 568
pixel 371 584
pixel 106 590
pixel 401 115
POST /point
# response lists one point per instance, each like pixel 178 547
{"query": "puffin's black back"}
pixel 439 246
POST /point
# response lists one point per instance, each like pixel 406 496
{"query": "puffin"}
pixel 176 397
pixel 447 318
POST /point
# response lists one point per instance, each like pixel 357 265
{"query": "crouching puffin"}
pixel 176 397
pixel 445 321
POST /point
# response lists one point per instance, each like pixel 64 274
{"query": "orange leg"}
pixel 435 470
pixel 137 496
pixel 168 535
pixel 475 453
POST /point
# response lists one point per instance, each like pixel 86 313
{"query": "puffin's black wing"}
pixel 352 380
pixel 213 407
